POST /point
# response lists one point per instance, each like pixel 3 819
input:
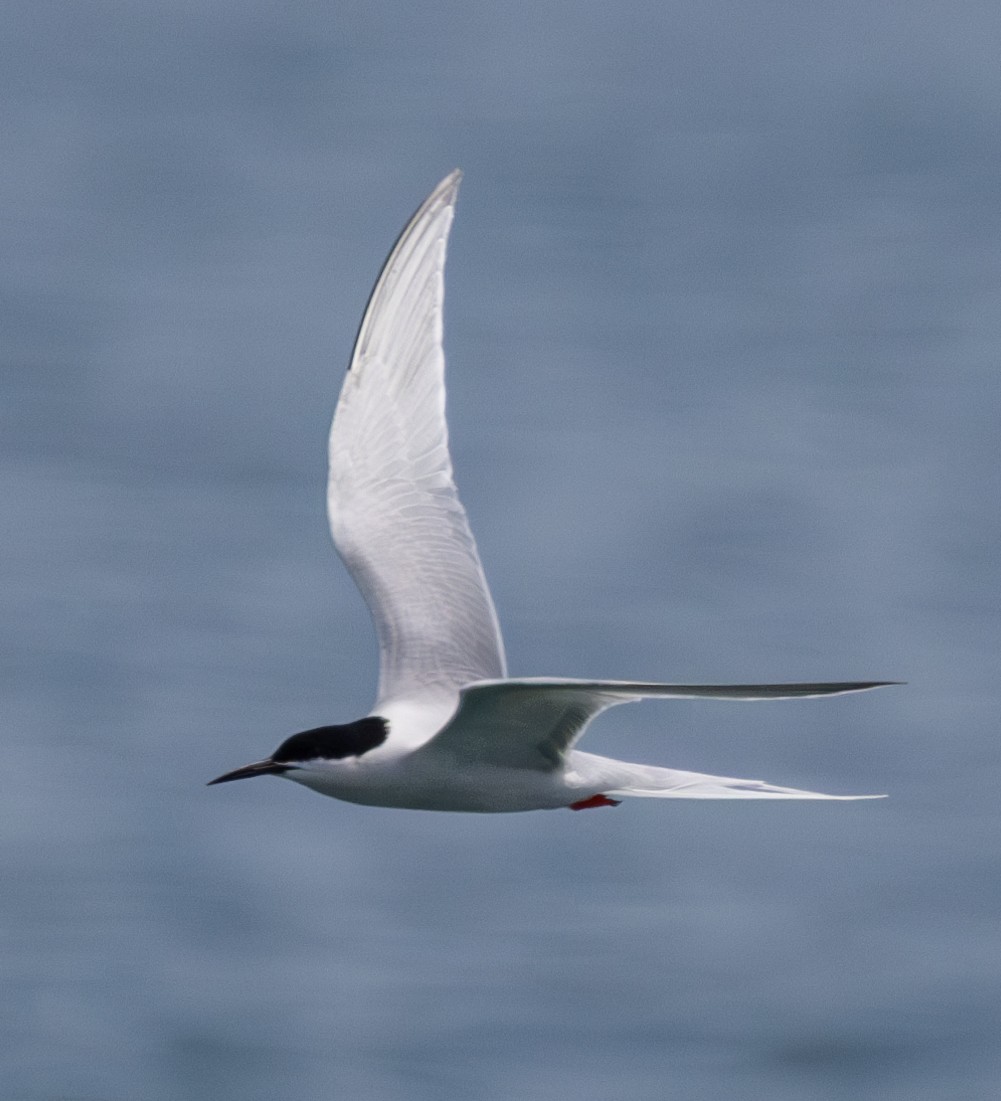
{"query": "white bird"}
pixel 449 729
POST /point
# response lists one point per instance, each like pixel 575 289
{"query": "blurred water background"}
pixel 723 334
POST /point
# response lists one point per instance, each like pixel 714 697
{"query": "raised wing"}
pixel 532 722
pixel 394 511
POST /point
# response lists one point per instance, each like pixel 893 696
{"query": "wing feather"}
pixel 394 511
pixel 533 722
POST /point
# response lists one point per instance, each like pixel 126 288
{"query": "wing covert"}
pixel 526 723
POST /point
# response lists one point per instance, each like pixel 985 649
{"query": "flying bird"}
pixel 450 730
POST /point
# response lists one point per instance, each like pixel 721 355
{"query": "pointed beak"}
pixel 258 768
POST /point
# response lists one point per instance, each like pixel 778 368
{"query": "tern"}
pixel 450 731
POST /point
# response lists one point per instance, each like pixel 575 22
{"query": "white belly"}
pixel 416 786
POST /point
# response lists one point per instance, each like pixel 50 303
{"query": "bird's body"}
pixel 421 782
pixel 449 730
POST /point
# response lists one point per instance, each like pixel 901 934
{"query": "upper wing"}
pixel 531 723
pixel 394 511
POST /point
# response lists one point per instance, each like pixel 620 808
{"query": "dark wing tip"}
pixel 443 194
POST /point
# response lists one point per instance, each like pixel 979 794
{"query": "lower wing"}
pixel 532 722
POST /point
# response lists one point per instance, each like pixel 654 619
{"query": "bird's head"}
pixel 321 744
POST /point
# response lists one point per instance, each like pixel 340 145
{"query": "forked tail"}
pixel 624 779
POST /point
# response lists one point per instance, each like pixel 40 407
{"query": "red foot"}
pixel 595 801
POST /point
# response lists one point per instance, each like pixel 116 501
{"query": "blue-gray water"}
pixel 723 345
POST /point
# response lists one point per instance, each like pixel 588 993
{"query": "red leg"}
pixel 595 801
